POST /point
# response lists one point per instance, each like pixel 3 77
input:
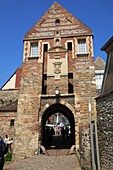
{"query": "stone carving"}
pixel 57 67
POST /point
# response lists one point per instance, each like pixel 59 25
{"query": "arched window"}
pixel 57 42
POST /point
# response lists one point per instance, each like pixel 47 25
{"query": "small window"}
pixel 44 84
pixel 70 75
pixel 45 76
pixel 99 79
pixel 57 22
pixel 12 122
pixel 70 83
pixel 69 46
pixel 70 88
pixel 45 47
pixel 82 46
pixel 57 42
pixel 34 49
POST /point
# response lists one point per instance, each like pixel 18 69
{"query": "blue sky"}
pixel 18 16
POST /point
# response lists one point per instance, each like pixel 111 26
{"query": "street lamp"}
pixel 57 93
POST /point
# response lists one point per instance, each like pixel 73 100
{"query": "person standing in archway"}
pixel 59 133
pixel 51 133
pixel 63 134
pixel 56 130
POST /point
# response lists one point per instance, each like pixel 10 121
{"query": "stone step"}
pixel 58 151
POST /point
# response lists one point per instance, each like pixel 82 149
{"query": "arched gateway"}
pixel 58 108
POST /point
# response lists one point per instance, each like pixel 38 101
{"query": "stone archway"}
pixel 66 111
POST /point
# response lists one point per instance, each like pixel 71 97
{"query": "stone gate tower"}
pixel 58 52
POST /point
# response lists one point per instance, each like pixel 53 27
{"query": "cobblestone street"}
pixel 42 162
pixel 58 158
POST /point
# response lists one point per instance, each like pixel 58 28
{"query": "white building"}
pixel 99 72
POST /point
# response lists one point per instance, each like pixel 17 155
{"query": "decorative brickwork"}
pixel 69 25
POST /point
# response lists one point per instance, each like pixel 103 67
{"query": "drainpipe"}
pixel 91 137
pixel 97 149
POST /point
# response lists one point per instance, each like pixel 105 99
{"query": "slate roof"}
pixel 11 107
pixel 108 44
pixel 99 64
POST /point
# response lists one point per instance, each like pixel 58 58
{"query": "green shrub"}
pixel 8 157
pixel 83 168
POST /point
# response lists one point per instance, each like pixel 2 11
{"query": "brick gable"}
pixel 57 15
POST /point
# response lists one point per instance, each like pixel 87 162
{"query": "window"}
pixel 57 42
pixel 34 49
pixel 99 79
pixel 44 84
pixel 69 46
pixel 45 47
pixel 57 32
pixel 70 83
pixel 57 22
pixel 12 122
pixel 82 46
pixel 70 75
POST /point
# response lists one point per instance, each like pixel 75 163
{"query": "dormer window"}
pixel 82 46
pixel 34 49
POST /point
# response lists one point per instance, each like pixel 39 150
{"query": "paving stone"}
pixel 42 162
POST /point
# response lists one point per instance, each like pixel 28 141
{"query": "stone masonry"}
pixel 8 111
pixel 105 130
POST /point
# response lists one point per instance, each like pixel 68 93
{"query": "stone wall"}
pixel 8 102
pixel 84 142
pixel 26 126
pixel 62 83
pixel 105 130
pixel 52 99
pixel 84 88
pixel 5 126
